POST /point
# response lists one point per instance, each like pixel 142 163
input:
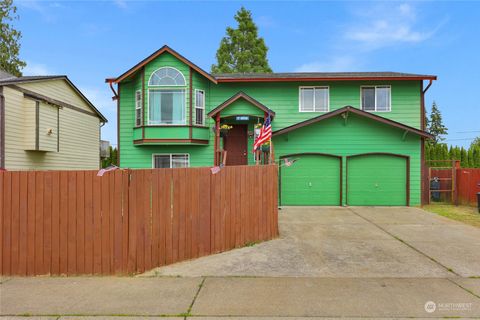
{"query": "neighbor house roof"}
pixel 319 76
pixel 12 80
pixel 163 49
pixel 350 109
pixel 241 95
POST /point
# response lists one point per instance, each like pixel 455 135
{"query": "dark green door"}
pixel 376 180
pixel 313 180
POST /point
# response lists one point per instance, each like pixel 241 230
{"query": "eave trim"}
pixel 348 109
pixel 157 53
pixel 240 95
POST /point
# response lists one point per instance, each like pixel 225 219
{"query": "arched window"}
pixel 167 76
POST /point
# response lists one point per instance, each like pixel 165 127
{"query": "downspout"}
pixel 116 96
pixel 111 82
pixel 100 142
pixel 2 129
pixel 424 189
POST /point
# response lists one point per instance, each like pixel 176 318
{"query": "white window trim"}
pixel 313 87
pixel 203 117
pixel 171 155
pixel 136 108
pixel 184 106
pixel 375 86
pixel 160 85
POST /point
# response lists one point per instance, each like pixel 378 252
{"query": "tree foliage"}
pixel 242 50
pixel 435 124
pixel 112 159
pixel 9 39
pixel 475 142
pixel 469 158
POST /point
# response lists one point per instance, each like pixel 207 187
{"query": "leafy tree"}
pixel 242 50
pixel 475 142
pixel 9 39
pixel 112 159
pixel 436 127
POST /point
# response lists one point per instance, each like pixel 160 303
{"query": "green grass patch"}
pixel 465 214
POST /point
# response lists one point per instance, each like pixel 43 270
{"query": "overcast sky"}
pixel 92 40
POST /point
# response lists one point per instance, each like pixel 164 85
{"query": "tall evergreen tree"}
pixel 436 127
pixel 9 39
pixel 242 50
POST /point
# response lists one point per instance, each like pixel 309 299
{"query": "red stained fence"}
pixel 466 180
pixel 129 221
pixel 468 184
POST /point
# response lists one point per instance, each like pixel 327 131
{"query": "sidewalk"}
pixel 251 297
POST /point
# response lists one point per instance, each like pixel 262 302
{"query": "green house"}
pixel 350 138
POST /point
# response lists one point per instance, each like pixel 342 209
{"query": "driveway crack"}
pixel 404 242
pixel 200 286
pixel 462 287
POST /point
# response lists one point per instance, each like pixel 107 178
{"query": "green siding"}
pixel 311 180
pixel 283 99
pixel 140 156
pixel 378 180
pixel 242 107
pixel 359 135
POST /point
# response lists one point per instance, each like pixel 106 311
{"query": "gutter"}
pixel 428 86
pixel 111 81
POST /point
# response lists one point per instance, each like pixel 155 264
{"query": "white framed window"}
pixel 376 98
pixel 166 101
pixel 166 76
pixel 199 107
pixel 314 99
pixel 166 106
pixel 170 160
pixel 138 108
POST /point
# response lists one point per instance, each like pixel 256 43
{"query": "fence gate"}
pixel 442 176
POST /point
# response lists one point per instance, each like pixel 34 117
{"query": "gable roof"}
pixel 241 95
pixel 5 75
pixel 163 49
pixel 319 76
pixel 359 112
pixel 25 79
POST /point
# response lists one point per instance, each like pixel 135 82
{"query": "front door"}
pixel 235 143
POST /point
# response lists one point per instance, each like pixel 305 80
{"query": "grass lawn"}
pixel 468 215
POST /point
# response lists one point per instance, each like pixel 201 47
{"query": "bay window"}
pixel 166 97
pixel 199 107
pixel 166 106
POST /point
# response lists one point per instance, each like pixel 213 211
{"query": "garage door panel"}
pixel 377 180
pixel 311 180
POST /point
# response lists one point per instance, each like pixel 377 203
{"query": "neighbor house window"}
pixel 314 99
pixel 170 160
pixel 199 107
pixel 166 101
pixel 376 98
pixel 138 108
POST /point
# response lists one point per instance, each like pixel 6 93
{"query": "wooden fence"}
pixel 468 184
pixel 129 221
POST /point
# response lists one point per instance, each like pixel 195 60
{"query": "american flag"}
pixel 265 134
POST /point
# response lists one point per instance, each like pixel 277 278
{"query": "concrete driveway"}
pixel 354 242
pixel 387 263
